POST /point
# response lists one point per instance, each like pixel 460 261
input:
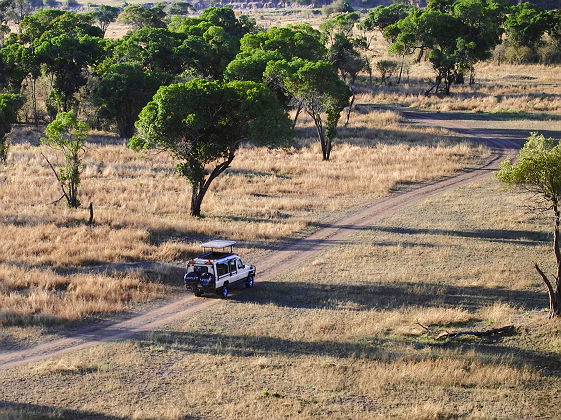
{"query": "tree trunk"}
pixel 401 68
pixel 298 110
pixel 554 290
pixel 196 200
pixel 200 187
pixel 350 109
pixel 34 100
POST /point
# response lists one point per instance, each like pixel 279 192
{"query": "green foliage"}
pixel 342 24
pixel 525 25
pixel 293 41
pixel 250 66
pixel 381 17
pixel 457 34
pixel 180 8
pixel 141 17
pixel 64 44
pixel 104 15
pixel 152 48
pixel 386 69
pixel 202 123
pixel 68 135
pixel 66 58
pixel 344 55
pixel 123 90
pixel 537 169
pixel 316 88
pixel 9 106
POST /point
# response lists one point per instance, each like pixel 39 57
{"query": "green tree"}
pixel 123 90
pixel 296 41
pixel 141 17
pixel 525 25
pixel 105 15
pixel 67 135
pixel 538 171
pixel 9 105
pixel 317 89
pixel 202 124
pixel 67 58
pixel 180 8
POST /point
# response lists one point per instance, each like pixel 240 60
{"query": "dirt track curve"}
pixel 502 145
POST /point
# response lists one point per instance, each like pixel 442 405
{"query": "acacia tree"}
pixel 9 105
pixel 104 15
pixel 538 171
pixel 317 89
pixel 67 135
pixel 203 123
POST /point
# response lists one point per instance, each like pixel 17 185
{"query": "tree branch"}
pixel 64 194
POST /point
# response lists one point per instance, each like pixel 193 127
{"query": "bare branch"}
pixel 64 194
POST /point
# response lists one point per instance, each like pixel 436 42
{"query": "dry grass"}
pixel 524 91
pixel 338 337
pixel 141 206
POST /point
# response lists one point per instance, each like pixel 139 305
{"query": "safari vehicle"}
pixel 217 270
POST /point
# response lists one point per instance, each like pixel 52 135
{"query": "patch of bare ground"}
pixel 141 210
pixel 338 335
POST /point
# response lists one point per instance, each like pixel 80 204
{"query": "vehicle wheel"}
pixel 249 282
pixel 198 293
pixel 224 291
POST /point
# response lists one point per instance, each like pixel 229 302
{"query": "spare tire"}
pixel 191 277
pixel 206 279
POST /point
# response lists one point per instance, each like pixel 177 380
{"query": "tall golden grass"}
pixel 141 205
pixel 338 336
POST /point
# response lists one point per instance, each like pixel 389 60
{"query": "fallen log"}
pixel 449 336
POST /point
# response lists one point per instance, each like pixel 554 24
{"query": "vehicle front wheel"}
pixel 249 282
pixel 224 291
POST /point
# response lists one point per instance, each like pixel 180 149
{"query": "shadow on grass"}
pixel 515 237
pixel 386 349
pixel 17 410
pixel 385 296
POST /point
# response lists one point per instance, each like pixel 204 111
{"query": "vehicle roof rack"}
pixel 218 244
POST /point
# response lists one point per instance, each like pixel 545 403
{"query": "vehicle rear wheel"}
pixel 224 291
pixel 249 282
pixel 198 293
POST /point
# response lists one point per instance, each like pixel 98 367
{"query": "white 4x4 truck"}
pixel 217 270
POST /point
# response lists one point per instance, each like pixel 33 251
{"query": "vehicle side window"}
pixel 222 269
pixel 240 264
pixel 233 268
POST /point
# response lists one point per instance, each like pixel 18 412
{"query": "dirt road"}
pixel 501 143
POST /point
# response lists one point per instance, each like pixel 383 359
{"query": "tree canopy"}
pixel 202 124
pixel 9 105
pixel 316 88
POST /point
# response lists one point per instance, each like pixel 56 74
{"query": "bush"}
pixel 386 69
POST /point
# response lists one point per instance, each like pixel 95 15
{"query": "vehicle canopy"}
pixel 213 251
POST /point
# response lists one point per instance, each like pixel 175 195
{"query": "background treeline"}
pixel 61 61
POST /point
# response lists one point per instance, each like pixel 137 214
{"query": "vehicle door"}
pixel 222 274
pixel 235 274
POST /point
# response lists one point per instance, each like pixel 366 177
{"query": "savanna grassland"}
pixel 141 210
pixel 339 337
